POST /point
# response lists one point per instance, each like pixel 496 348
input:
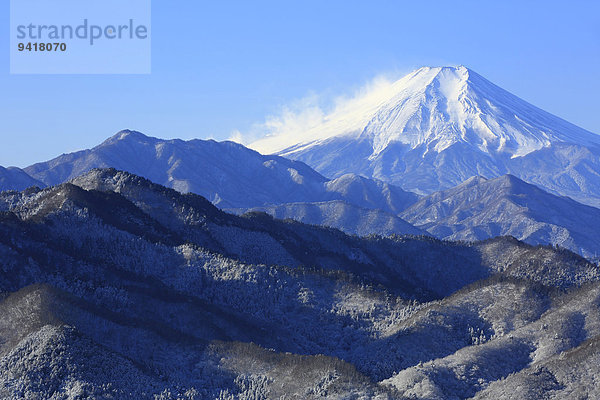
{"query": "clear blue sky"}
pixel 222 66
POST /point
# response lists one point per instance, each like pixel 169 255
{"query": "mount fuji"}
pixel 436 127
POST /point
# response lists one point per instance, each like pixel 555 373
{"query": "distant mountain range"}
pixel 480 208
pixel 437 127
pixel 16 179
pixel 477 209
pixel 341 215
pixel 240 180
pixel 113 286
pixel 226 173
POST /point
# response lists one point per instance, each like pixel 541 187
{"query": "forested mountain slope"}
pixel 113 285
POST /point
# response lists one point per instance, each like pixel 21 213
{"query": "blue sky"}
pixel 221 67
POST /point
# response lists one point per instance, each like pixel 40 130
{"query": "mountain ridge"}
pixel 338 214
pixel 13 178
pixel 227 173
pixel 130 288
pixel 480 208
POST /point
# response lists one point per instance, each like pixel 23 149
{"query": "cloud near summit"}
pixel 300 120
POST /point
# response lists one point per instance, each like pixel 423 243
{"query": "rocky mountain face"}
pixel 481 208
pixel 437 127
pixel 13 178
pixel 226 173
pixel 113 286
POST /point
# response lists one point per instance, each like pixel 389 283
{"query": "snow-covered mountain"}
pixel 13 178
pixel 338 214
pixel 114 287
pixel 437 127
pixel 227 173
pixel 480 208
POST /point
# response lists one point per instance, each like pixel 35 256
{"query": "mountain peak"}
pixel 438 126
pixel 128 135
pixel 456 70
pixel 504 184
pixel 431 109
pixel 13 178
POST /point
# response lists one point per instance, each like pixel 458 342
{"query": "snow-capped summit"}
pixel 436 107
pixel 435 128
